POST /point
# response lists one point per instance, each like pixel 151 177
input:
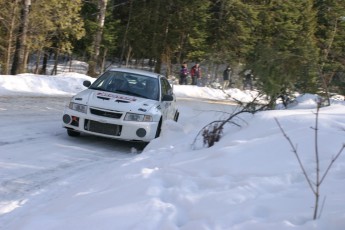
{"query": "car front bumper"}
pixel 109 127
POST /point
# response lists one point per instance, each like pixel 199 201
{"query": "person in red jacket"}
pixel 195 74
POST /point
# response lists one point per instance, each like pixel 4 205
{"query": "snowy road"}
pixel 31 128
pixel 38 160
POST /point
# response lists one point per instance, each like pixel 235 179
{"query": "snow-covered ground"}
pixel 249 180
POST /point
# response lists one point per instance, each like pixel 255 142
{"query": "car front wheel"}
pixel 72 133
pixel 158 132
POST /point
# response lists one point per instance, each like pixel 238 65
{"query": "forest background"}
pixel 295 45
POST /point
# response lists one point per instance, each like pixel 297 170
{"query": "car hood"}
pixel 114 101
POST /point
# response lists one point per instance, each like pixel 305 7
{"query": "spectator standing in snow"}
pixel 183 74
pixel 195 74
pixel 248 80
pixel 227 77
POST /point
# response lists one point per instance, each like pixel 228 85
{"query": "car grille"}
pixel 103 113
pixel 104 128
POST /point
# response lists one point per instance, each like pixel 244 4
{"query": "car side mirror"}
pixel 167 98
pixel 87 83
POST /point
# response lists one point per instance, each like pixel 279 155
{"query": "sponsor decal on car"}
pixel 116 96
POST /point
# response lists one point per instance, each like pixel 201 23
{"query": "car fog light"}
pixel 141 132
pixel 75 121
pixel 66 118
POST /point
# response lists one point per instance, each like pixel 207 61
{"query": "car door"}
pixel 167 106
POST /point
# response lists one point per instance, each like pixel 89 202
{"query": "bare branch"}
pixel 294 150
pixel 316 142
pixel 331 163
pixel 322 206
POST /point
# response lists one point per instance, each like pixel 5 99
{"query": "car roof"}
pixel 135 71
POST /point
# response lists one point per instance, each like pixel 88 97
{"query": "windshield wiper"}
pixel 131 93
pixel 97 88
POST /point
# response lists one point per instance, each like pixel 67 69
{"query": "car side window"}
pixel 101 82
pixel 166 87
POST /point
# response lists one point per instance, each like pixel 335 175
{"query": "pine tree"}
pixel 41 27
pixel 232 26
pixel 331 36
pixel 285 54
pixel 67 26
pixel 164 31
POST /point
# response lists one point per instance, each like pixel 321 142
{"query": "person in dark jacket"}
pixel 227 77
pixel 248 80
pixel 183 74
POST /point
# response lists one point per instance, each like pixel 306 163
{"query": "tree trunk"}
pixel 104 59
pixel 44 64
pixel 19 65
pixel 165 56
pixel 10 40
pixel 70 60
pixel 124 41
pixel 102 5
pixel 128 55
pixel 26 59
pixel 154 43
pixel 37 65
pixel 158 65
pixel 56 62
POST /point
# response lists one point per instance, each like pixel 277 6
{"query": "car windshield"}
pixel 128 83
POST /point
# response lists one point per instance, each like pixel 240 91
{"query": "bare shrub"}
pixel 314 185
pixel 213 131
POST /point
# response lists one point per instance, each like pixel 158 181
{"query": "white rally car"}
pixel 124 104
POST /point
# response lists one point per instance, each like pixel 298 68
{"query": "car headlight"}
pixel 78 107
pixel 137 117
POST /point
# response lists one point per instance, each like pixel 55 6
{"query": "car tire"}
pixel 177 114
pixel 72 133
pixel 158 132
